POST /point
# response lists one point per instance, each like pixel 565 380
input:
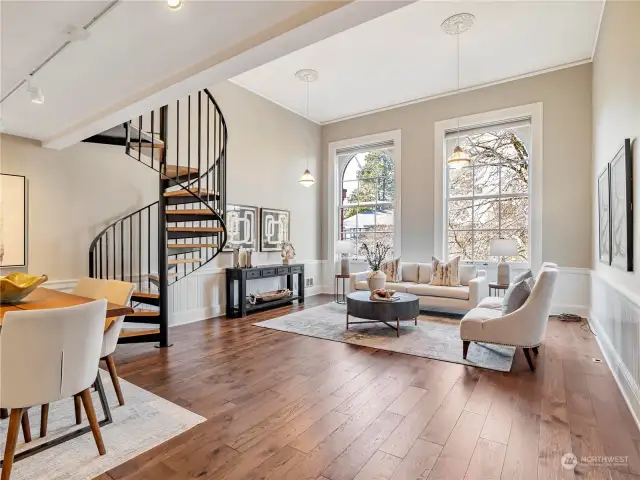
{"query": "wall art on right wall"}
pixel 622 208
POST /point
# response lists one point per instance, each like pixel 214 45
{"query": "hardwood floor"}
pixel 281 406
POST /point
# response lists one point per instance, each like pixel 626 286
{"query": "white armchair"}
pixel 47 355
pixel 524 328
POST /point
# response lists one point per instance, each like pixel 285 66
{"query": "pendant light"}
pixel 307 76
pixel 456 25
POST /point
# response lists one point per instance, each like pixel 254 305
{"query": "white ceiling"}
pixel 133 47
pixel 405 56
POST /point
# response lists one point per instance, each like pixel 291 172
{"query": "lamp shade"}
pixel 459 158
pixel 345 246
pixel 503 247
pixel 307 179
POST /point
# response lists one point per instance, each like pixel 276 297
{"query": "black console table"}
pixel 242 275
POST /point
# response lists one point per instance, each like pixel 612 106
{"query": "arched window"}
pixel 490 198
pixel 367 193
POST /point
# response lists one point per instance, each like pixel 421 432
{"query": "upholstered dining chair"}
pixel 91 288
pixel 114 291
pixel 45 356
pixel 120 293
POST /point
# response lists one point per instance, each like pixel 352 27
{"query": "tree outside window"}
pixel 367 198
pixel 490 198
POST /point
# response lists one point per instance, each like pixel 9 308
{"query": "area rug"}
pixel 434 337
pixel 145 421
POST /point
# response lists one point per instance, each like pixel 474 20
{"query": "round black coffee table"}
pixel 406 308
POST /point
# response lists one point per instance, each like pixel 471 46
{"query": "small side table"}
pixel 496 287
pixel 341 299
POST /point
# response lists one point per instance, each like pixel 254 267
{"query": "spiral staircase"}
pixel 185 143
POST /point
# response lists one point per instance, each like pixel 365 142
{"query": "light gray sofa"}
pixel 416 277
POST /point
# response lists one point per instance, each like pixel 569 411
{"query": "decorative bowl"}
pixel 15 286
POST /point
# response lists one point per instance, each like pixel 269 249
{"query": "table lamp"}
pixel 503 247
pixel 345 248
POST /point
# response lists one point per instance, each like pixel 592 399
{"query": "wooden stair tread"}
pixel 146 144
pixel 178 261
pixel 157 278
pixel 144 313
pixel 195 229
pixel 184 193
pixel 131 332
pixel 178 171
pixel 199 211
pixel 192 245
pixel 145 295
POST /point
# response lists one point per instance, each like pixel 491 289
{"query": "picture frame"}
pixel 275 228
pixel 604 215
pixel 621 195
pixel 242 227
pixel 13 220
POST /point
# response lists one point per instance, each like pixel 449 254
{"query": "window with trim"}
pixel 490 198
pixel 366 191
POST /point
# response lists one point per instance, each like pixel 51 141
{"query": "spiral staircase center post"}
pixel 163 280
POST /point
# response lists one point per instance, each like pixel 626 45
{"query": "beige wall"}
pixel 615 294
pixel 566 98
pixel 76 192
pixel 616 113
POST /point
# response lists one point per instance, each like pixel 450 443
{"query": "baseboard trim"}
pixel 626 384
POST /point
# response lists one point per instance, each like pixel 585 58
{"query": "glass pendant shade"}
pixel 307 179
pixel 459 158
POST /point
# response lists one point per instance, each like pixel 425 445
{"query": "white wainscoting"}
pixel 615 319
pixel 202 295
pixel 572 293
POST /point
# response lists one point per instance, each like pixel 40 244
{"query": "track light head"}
pixel 35 92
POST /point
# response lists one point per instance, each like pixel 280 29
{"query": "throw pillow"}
pixel 528 276
pixel 392 269
pixel 445 273
pixel 515 296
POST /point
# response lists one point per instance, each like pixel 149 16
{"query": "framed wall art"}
pixel 13 220
pixel 604 217
pixel 621 186
pixel 274 228
pixel 242 227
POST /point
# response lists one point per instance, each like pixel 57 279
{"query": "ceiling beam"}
pixel 320 20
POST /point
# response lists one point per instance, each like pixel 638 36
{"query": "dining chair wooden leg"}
pixel 26 426
pixel 78 405
pixel 4 413
pixel 44 418
pixel 111 365
pixel 12 439
pixel 93 420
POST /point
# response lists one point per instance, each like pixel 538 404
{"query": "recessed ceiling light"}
pixel 174 4
pixel 35 93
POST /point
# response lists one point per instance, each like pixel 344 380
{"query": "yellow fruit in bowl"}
pixel 15 286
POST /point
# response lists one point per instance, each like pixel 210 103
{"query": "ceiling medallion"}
pixel 307 75
pixel 458 23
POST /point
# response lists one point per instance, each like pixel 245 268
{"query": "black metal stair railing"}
pixel 125 250
pixel 161 243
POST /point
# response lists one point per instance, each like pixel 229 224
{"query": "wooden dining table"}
pixel 42 298
pixel 45 298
